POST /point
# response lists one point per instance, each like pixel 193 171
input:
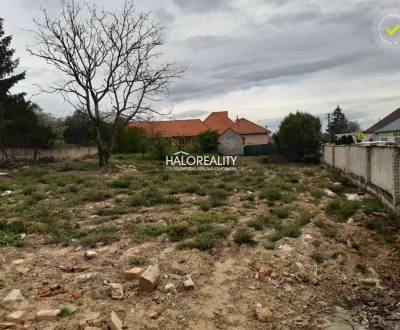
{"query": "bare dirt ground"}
pixel 311 261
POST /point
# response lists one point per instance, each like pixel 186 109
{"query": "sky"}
pixel 258 59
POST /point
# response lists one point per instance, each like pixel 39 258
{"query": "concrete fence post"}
pixel 396 176
pixel 368 165
pixel 347 168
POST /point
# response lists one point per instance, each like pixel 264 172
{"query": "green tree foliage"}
pixel 160 145
pixel 208 141
pixel 339 124
pixel 132 140
pixel 299 137
pixel 79 130
pixel 345 139
pixel 21 126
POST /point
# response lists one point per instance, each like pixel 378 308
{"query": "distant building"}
pixel 184 131
pixel 387 129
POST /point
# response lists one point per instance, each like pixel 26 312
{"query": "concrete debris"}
pixel 154 312
pixel 170 287
pixel 17 316
pixel 22 270
pixel 307 238
pixel 133 273
pixel 149 278
pixel 114 322
pixel 90 255
pixel 188 283
pixel 285 248
pixel 339 326
pixel 369 282
pixel 353 197
pixel 85 277
pixel 117 291
pixel 73 269
pixel 48 314
pixel 8 326
pixel 14 296
pixel 51 291
pixel 6 193
pixel 329 193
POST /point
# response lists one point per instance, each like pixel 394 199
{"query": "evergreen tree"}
pixel 338 123
pixel 20 124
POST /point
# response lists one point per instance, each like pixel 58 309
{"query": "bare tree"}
pixel 110 63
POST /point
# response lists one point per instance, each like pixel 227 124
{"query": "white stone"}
pixel 91 255
pixel 170 287
pixel 189 284
pixel 114 322
pixel 47 314
pixel 13 296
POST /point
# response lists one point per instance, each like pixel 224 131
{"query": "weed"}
pixel 143 232
pixel 372 205
pixel 326 229
pixel 342 208
pixel 362 268
pixel 137 261
pixel 244 236
pixel 65 312
pixel 120 184
pixel 151 197
pixel 305 217
pixel 206 238
pixel 317 193
pixel 178 231
pixel 280 212
pixel 288 230
pixel 318 257
pixel 204 205
pixel 271 194
pixel 269 245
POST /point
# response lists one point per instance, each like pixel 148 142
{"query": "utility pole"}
pixel 329 133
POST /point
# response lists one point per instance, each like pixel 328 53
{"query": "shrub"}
pixel 299 137
pixel 371 205
pixel 318 257
pixel 208 141
pixel 178 231
pixel 207 237
pixel 271 194
pixel 342 208
pixel 151 197
pixel 280 212
pixel 305 217
pixel 244 236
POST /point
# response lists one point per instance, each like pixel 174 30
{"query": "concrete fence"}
pixel 67 153
pixel 376 167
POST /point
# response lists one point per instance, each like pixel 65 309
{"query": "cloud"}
pixel 201 6
pixel 191 114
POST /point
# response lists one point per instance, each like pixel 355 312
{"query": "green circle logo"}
pixel 389 30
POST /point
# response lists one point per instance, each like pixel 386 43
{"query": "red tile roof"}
pixel 244 126
pixel 173 128
pixel 218 121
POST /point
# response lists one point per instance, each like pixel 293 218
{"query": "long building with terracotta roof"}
pixel 183 131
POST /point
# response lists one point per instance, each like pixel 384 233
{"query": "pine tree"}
pixel 20 126
pixel 338 123
pixel 7 65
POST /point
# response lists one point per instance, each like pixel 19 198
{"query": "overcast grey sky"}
pixel 259 59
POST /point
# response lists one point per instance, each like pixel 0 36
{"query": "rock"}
pixel 114 322
pixel 6 193
pixel 22 270
pixel 133 273
pixel 329 193
pixel 90 255
pixel 370 282
pixel 18 262
pixel 316 243
pixel 14 296
pixel 85 277
pixel 117 291
pixel 92 328
pixel 149 278
pixel 285 248
pixel 90 317
pixel 154 312
pixel 264 272
pixel 264 314
pixel 17 316
pixel 170 287
pixel 48 314
pixel 307 238
pixel 189 284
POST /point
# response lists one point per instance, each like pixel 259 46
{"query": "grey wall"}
pixel 377 167
pixel 230 143
pixel 69 153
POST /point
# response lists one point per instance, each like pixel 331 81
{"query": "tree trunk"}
pixel 103 152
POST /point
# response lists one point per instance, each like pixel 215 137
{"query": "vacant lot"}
pixel 282 237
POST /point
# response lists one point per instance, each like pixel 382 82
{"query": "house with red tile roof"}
pixel 184 131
